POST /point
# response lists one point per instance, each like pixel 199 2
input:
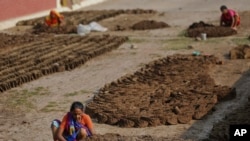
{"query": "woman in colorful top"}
pixel 54 19
pixel 229 17
pixel 75 126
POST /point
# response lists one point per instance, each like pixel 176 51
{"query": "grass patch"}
pixel 241 41
pixel 22 100
pixel 155 55
pixel 133 53
pixel 177 44
pixel 71 94
pixel 136 40
pixel 212 40
pixel 183 33
pixel 141 65
pixel 76 93
pixel 84 91
pixel 184 42
pixel 50 107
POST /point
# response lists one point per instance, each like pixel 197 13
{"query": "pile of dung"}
pixel 196 29
pixel 149 24
pixel 240 52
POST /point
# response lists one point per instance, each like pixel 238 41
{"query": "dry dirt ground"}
pixel 27 110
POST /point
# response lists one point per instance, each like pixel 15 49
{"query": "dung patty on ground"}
pixel 41 28
pixel 196 29
pixel 168 91
pixel 240 52
pixel 149 24
pixel 8 40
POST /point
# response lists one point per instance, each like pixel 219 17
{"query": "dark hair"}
pixel 76 105
pixel 223 7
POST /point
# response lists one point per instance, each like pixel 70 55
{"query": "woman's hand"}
pixel 60 135
pixel 234 28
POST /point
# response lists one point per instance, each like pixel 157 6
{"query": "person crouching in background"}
pixel 54 19
pixel 229 18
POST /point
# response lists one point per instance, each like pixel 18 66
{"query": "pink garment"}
pixel 228 16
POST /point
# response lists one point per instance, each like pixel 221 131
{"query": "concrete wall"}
pixel 17 8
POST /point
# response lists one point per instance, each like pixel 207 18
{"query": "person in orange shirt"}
pixel 75 126
pixel 54 19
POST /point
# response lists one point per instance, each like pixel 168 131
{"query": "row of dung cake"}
pixel 171 90
pixel 54 57
pixel 86 17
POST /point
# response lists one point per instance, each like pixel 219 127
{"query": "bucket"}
pixel 203 36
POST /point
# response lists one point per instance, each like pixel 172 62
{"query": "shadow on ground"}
pixel 215 126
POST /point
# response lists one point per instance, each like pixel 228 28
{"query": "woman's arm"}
pixel 89 124
pixel 92 131
pixel 221 23
pixel 234 21
pixel 60 134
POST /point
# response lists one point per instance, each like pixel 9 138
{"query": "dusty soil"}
pixel 149 24
pixel 169 91
pixel 60 89
pixel 239 116
pixel 117 137
pixel 58 54
pixel 240 52
pixel 196 29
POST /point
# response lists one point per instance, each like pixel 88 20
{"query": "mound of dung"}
pixel 41 28
pixel 199 25
pixel 117 137
pixel 240 52
pixel 211 31
pixel 149 24
pixel 168 91
pixel 220 131
pixel 196 29
pixel 16 40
